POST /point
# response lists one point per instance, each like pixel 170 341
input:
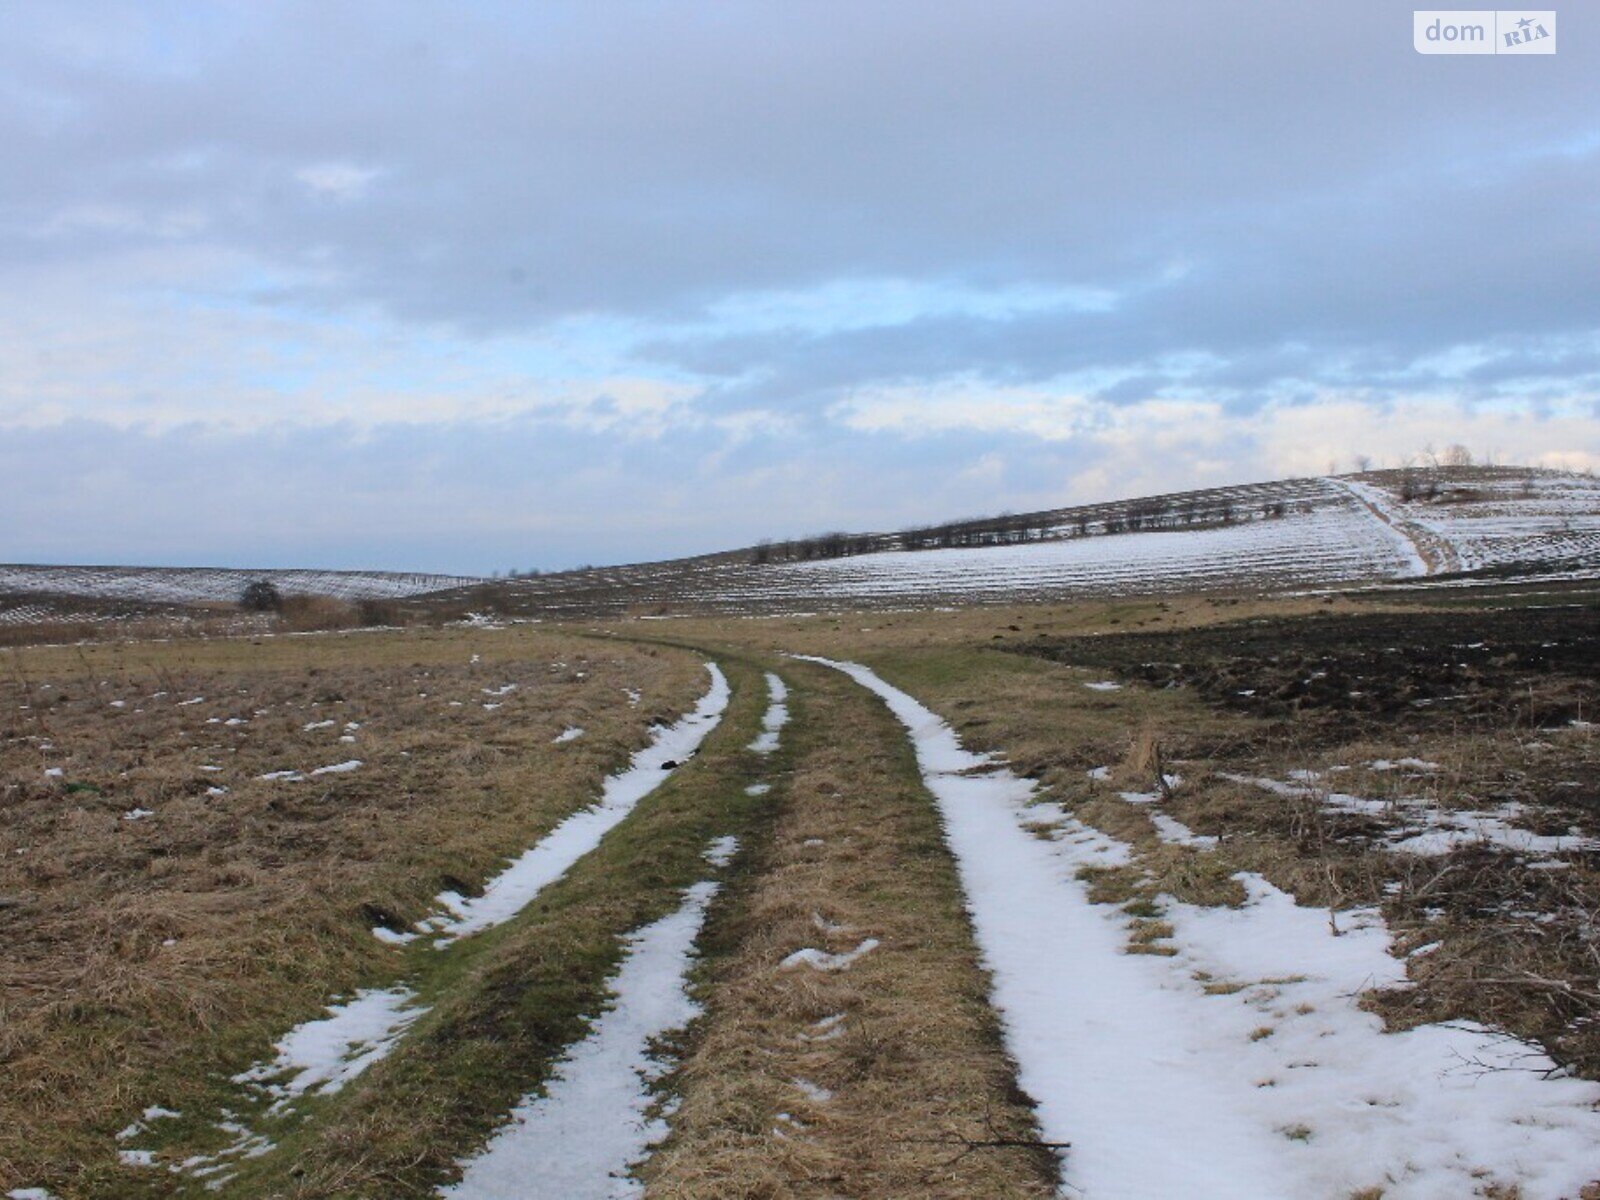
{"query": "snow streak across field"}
pixel 192 585
pixel 1282 1087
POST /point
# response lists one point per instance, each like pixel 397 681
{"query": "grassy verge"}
pixel 876 1079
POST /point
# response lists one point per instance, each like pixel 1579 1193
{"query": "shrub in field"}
pixel 261 595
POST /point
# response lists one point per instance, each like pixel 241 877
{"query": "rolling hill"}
pixel 1446 527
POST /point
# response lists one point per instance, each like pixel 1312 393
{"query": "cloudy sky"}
pixel 463 287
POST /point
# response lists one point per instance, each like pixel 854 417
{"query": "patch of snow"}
pixel 825 1030
pixel 1175 832
pixel 1104 685
pixel 154 1113
pixel 578 1140
pixel 138 814
pixel 569 734
pixel 505 895
pixel 758 789
pixel 53 772
pixel 813 1092
pixel 324 1054
pixel 310 725
pixel 342 768
pixel 777 715
pixel 821 960
pixel 721 852
pixel 1425 829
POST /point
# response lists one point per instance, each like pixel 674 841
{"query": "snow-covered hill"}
pixel 196 585
pixel 1438 528
pixel 1447 527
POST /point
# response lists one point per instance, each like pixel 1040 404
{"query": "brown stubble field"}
pixel 147 956
pixel 154 956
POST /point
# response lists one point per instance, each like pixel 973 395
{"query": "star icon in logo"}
pixel 1524 23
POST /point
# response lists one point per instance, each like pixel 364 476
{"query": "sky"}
pixel 462 288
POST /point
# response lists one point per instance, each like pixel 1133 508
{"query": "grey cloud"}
pixel 1282 198
pixel 567 158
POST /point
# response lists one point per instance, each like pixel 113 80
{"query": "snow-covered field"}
pixel 191 585
pixel 1325 546
pixel 1376 529
pixel 1291 535
pixel 1498 522
pixel 34 614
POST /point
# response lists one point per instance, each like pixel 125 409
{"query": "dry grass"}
pixel 506 1003
pixel 1517 945
pixel 145 958
pixel 903 1039
pixel 1517 948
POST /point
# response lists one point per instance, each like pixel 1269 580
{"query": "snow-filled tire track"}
pixel 510 891
pixel 593 1122
pixel 1163 1090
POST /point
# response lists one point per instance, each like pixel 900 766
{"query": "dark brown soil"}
pixel 1527 667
